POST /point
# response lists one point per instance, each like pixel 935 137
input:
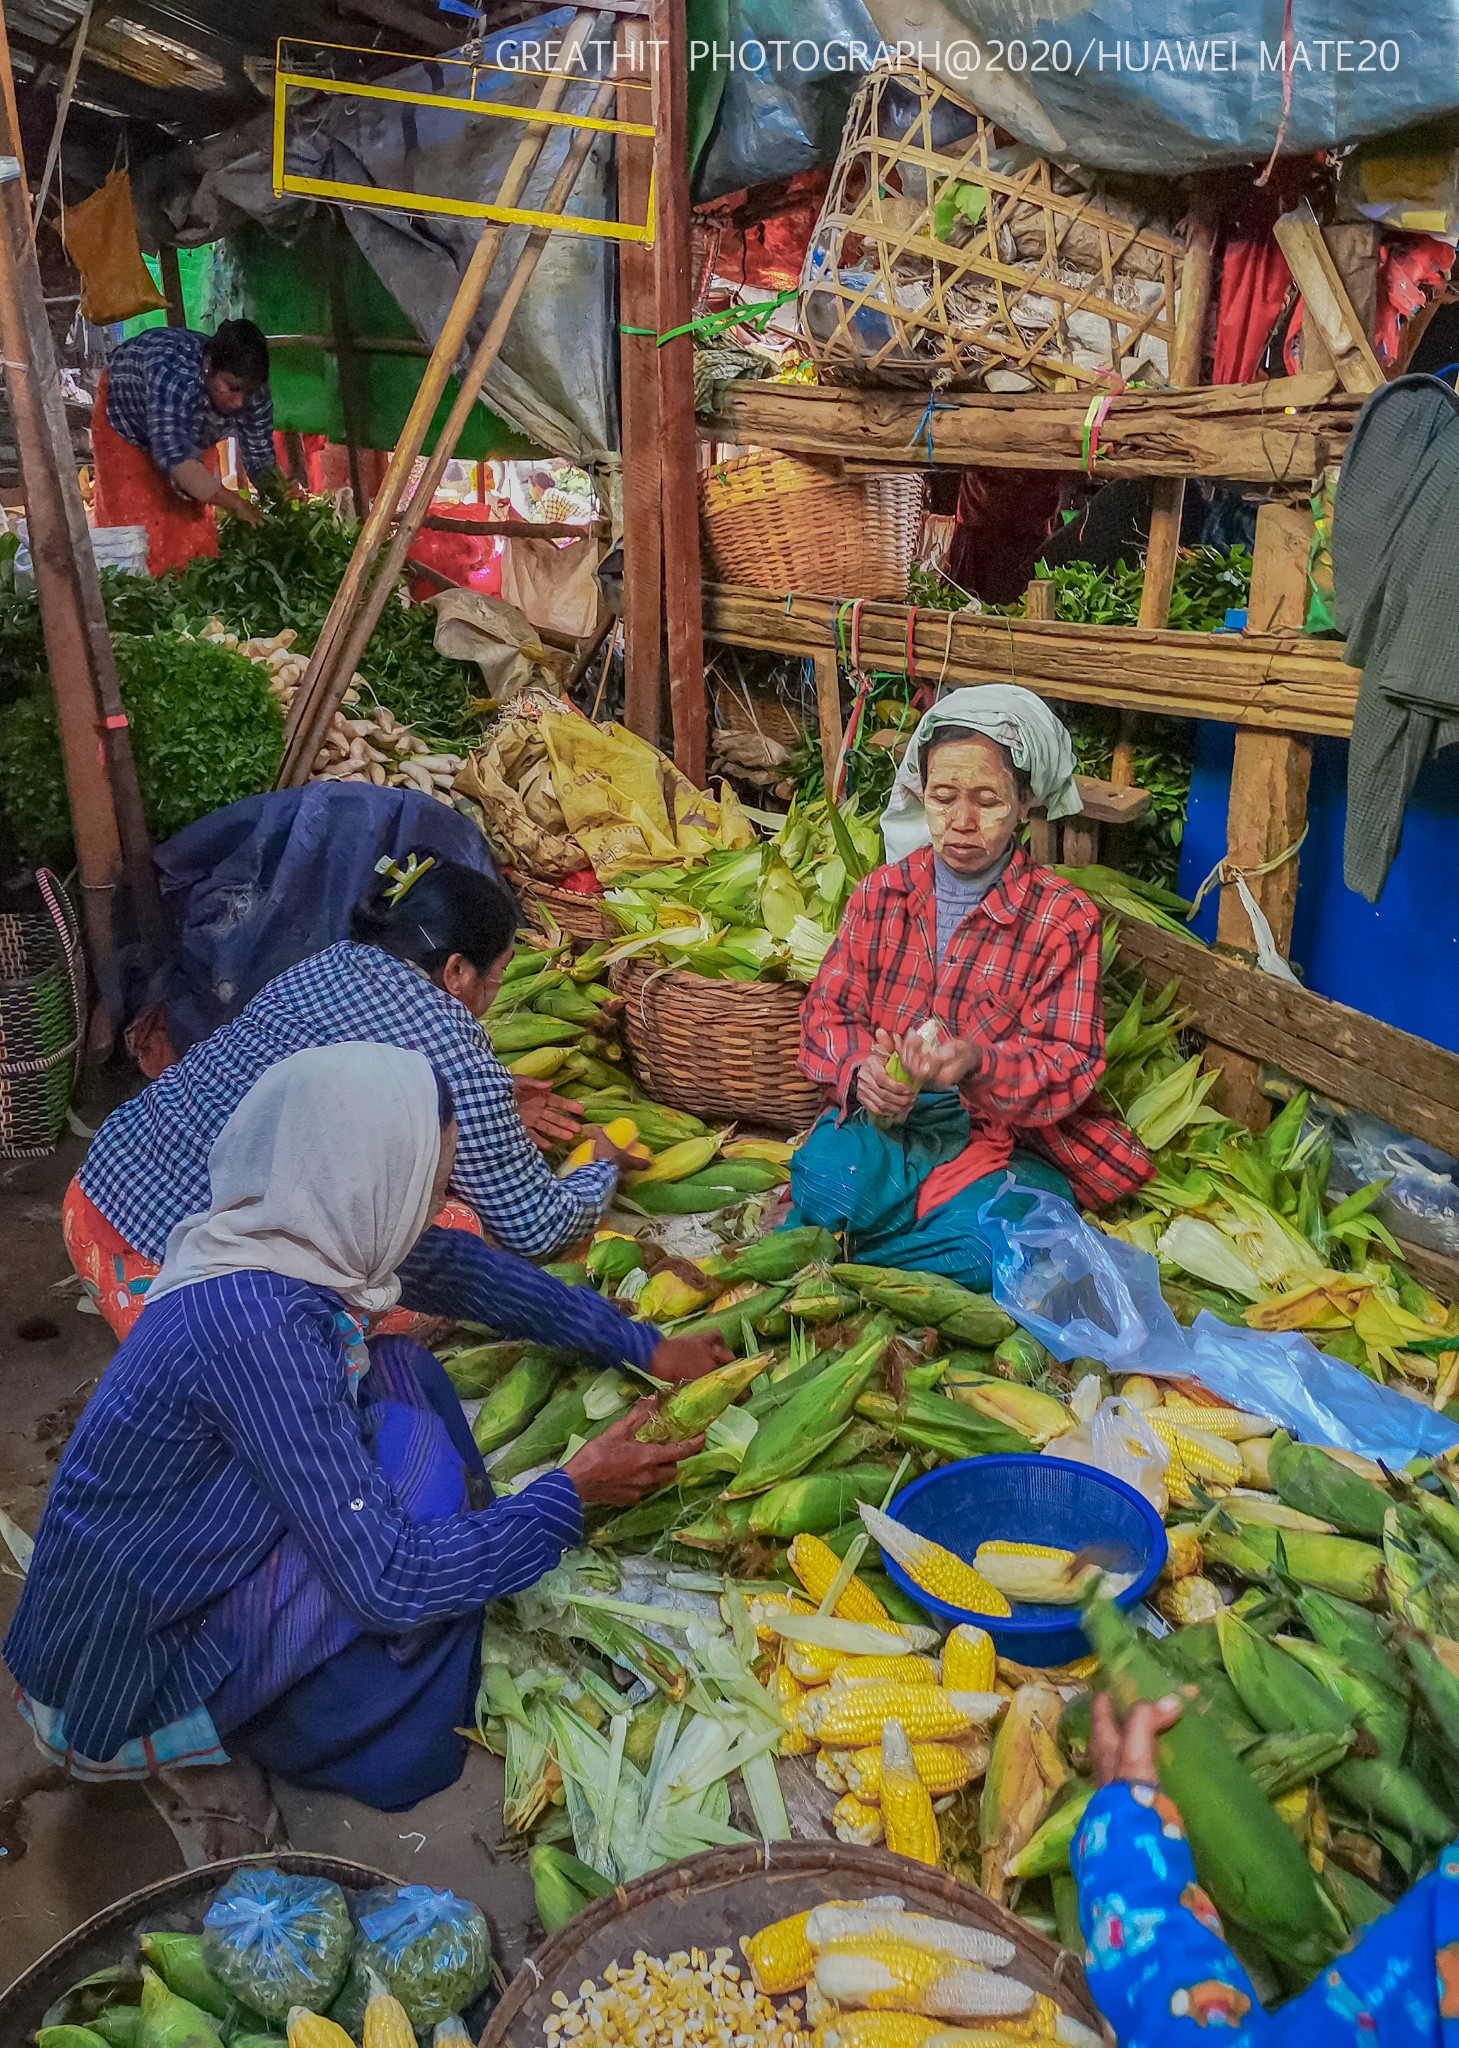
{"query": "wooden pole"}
pixel 638 410
pixel 119 899
pixel 678 437
pixel 439 366
pixel 333 235
pixel 308 734
pixel 1168 506
pixel 828 712
pixel 171 271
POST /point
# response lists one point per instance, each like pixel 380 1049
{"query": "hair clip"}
pixel 402 879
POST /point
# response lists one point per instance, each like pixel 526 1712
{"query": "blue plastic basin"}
pixel 1031 1500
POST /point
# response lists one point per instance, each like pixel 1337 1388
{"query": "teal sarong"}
pixel 851 1178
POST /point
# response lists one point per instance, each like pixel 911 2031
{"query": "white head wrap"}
pixel 323 1173
pixel 1015 719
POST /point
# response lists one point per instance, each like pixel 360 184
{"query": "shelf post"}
pixel 638 407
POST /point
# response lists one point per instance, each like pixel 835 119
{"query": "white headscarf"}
pixel 323 1173
pixel 1015 719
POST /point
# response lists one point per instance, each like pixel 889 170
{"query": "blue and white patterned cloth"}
pixel 1161 1974
pixel 148 1164
pixel 224 1422
pixel 157 400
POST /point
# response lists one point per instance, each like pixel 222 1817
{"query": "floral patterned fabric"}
pixel 1161 1973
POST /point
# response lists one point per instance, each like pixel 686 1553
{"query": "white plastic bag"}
pixel 1114 1437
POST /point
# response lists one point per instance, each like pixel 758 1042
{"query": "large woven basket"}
pixel 945 250
pixel 578 915
pixel 717 1048
pixel 780 523
pixel 42 1009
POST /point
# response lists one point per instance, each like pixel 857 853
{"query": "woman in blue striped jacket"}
pixel 270 1538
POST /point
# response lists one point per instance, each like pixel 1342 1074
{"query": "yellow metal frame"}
pixel 388 199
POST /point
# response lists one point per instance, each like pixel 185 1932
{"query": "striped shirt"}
pixel 223 1422
pixel 148 1165
pixel 157 400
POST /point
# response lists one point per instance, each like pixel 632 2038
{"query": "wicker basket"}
pixel 578 915
pixel 945 250
pixel 779 523
pixel 42 1005
pixel 717 1048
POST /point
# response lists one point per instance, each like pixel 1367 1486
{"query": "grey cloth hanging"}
pixel 1395 563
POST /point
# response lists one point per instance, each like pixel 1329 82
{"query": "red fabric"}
pixel 976 1161
pixel 761 237
pixel 1255 281
pixel 1004 517
pixel 313 446
pixel 472 560
pixel 132 491
pixel 1020 979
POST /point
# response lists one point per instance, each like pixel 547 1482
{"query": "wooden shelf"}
pixel 1282 433
pixel 1264 682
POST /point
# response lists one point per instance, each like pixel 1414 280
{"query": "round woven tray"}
pixel 776 522
pixel 709 1901
pixel 717 1048
pixel 577 914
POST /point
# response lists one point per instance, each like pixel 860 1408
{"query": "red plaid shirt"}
pixel 1020 979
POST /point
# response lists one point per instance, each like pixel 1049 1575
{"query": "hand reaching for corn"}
pixel 878 1090
pixel 547 1118
pixel 682 1359
pixel 1125 1755
pixel 615 1470
pixel 946 1063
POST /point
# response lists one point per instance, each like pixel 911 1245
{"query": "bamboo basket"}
pixel 945 251
pixel 717 1048
pixel 578 915
pixel 710 1900
pixel 782 523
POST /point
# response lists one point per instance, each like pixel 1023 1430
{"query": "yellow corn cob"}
pixel 997 1548
pixel 1046 1581
pixel 1141 1393
pixel 889 1976
pixel 386 2024
pixel 677 1162
pixel 969 1660
pixel 875 2030
pixel 831 1769
pixel 1256 1462
pixel 1203 1458
pixel 312 2030
pixel 1232 1425
pixel 789 1697
pixel 1026 1770
pixel 851 1716
pixel 933 1569
pixel 898 1670
pixel 1043 2023
pixel 1183 1557
pixel 855 1821
pixel 780 1956
pixel 766 1606
pixel 1186 1601
pixel 815 1564
pixel 810 1665
pixel 942 1766
pixel 906 1804
pixel 851 1927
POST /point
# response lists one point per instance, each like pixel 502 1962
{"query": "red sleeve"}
pixel 836 1031
pixel 1054 1056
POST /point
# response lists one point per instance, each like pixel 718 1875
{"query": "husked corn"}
pixel 906 1804
pixel 765 1607
pixel 386 2022
pixel 849 1717
pixel 780 1956
pixel 855 1821
pixel 933 1569
pixel 996 1547
pixel 689 1998
pixel 943 1767
pixel 876 2030
pixel 831 1768
pixel 1205 1460
pixel 969 1659
pixel 816 1565
pixel 896 1670
pixel 1189 1600
pixel 1233 1425
pixel 843 1926
pixel 312 2030
pixel 789 1697
pixel 888 1976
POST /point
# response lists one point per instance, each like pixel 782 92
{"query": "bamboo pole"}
pixel 638 410
pixel 309 735
pixel 432 388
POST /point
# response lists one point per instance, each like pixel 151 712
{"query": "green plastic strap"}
pixel 758 317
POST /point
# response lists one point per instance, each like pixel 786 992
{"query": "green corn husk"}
pixel 1280 1763
pixel 817 1301
pixel 562 1416
pixel 1217 1698
pixel 1331 1564
pixel 1356 1637
pixel 933 1422
pixel 257 2041
pixel 723 1526
pixel 526 1032
pixel 69 2037
pixel 612 1259
pixel 120 2026
pixel 817 1501
pixel 89 2001
pixel 1280 1694
pixel 796 1434
pixel 1022 1358
pixel 859 1443
pixel 563 1886
pixel 172 2022
pixel 637 1527
pixel 1377 1709
pixel 1246 1858
pixel 781 1256
pixel 1047 1851
pixel 572 1006
pixel 919 1298
pixel 697 1196
pixel 1410 1582
pixel 1438 1688
pixel 475 1371
pixel 1358 1903
pixel 1440 1516
pixel 178 1961
pixel 511 1405
pixel 732 1324
pixel 1306 1478
pixel 1383 1792
pixel 568 1271
pixel 689 1410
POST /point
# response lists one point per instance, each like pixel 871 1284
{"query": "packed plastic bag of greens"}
pixel 276 1940
pixel 431 1949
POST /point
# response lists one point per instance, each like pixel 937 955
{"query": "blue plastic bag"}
pixel 277 1940
pixel 430 1948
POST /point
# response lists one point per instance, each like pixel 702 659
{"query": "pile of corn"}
pixel 681 2001
pixel 360 745
pixel 877 1976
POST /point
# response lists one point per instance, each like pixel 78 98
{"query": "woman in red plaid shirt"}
pixel 980 971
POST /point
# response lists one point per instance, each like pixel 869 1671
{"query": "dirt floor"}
pixel 68 1850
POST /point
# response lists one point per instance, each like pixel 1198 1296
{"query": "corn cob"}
pixel 677 1162
pixel 690 1409
pixel 906 1804
pixel 1058 1581
pixel 1183 1555
pixel 1038 1416
pixel 1189 1600
pixel 1024 1773
pixel 386 2023
pixel 1194 1459
pixel 875 2030
pixel 1231 1424
pixel 856 1822
pixel 780 1956
pixel 969 1660
pixel 1256 1468
pixel 789 1697
pixel 1044 2022
pixel 943 1767
pixel 816 1566
pixel 1309 1478
pixel 852 1638
pixel 885 1975
pixel 996 1547
pixel 765 1607
pixel 1046 1852
pixel 1267 1512
pixel 934 1570
pixel 312 2030
pixel 670 1294
pixel 853 1715
pixel 897 1670
pixel 848 1926
pixel 831 1770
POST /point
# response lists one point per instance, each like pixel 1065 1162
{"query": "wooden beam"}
pixel 1326 300
pixel 828 713
pixel 1284 432
pixel 333 238
pixel 1356 1060
pixel 171 272
pixel 1268 683
pixel 678 436
pixel 638 410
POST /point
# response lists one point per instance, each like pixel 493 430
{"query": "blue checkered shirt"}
pixel 157 400
pixel 148 1164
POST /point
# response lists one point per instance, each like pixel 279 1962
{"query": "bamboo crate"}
pixel 946 251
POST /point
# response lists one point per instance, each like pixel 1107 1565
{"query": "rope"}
pixel 758 317
pixel 924 425
pixel 1094 419
pixel 1225 872
pixel 1287 52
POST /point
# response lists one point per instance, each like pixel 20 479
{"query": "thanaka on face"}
pixel 974 812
